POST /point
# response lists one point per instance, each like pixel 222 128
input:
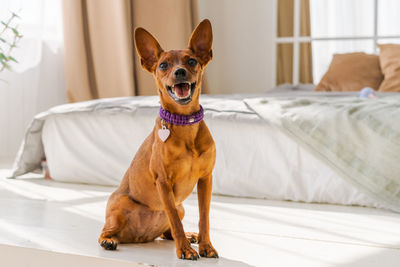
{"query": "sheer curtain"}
pixel 339 18
pixel 37 80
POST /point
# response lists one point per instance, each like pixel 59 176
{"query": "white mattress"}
pixel 253 158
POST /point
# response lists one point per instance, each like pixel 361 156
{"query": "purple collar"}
pixel 182 119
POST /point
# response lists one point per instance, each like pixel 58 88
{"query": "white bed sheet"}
pixel 253 158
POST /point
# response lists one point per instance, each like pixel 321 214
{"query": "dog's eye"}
pixel 164 66
pixel 192 62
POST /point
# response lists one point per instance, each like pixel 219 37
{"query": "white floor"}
pixel 45 223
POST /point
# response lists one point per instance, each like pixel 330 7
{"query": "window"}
pixel 336 26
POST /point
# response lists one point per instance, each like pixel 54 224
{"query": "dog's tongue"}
pixel 181 89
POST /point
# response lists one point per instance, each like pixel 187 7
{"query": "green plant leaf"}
pixel 3 40
pixel 5 65
pixel 15 15
pixel 12 59
pixel 2 56
pixel 15 31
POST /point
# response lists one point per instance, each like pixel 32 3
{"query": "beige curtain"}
pixel 100 57
pixel 284 55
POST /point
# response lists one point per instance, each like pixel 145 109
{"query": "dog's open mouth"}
pixel 182 92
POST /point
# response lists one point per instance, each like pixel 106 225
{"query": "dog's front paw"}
pixel 108 243
pixel 186 252
pixel 207 250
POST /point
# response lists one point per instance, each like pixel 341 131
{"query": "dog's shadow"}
pixel 162 253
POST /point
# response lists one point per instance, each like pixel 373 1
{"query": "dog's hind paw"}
pixel 192 237
pixel 108 244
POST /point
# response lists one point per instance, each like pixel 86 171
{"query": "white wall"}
pixel 25 94
pixel 243 45
pixel 37 82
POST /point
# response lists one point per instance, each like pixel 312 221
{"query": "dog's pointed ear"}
pixel 148 49
pixel 201 42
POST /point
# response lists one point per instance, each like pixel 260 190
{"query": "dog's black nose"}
pixel 180 73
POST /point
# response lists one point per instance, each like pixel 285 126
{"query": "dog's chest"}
pixel 187 162
pixel 186 166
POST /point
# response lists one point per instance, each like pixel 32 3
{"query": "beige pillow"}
pixel 351 72
pixel 390 63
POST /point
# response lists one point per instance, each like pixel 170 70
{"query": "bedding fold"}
pixel 358 138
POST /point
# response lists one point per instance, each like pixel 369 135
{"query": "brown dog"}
pixel 148 203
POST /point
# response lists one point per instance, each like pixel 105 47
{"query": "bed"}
pixel 94 142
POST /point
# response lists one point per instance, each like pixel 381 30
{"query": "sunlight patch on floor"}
pixel 67 218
